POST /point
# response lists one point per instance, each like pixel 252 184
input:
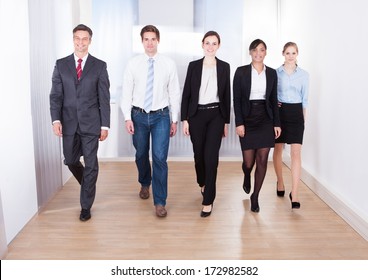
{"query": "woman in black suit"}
pixel 256 116
pixel 205 113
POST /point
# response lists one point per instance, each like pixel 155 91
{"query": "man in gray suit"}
pixel 80 112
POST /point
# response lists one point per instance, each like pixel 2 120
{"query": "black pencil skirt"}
pixel 292 123
pixel 259 131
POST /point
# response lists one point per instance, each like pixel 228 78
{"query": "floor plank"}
pixel 125 227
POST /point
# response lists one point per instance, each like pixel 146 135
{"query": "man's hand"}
pixel 173 129
pixel 129 127
pixel 104 134
pixel 58 129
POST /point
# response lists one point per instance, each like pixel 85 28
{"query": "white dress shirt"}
pixel 258 88
pixel 166 89
pixel 84 59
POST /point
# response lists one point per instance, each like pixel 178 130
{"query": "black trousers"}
pixel 206 130
pixel 75 146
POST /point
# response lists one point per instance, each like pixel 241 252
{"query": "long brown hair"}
pixel 212 33
pixel 256 43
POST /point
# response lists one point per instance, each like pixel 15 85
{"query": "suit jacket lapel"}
pixel 219 70
pixel 268 83
pixel 197 73
pixel 248 77
pixel 71 66
pixel 88 66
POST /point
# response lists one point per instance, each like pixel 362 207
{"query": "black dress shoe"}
pixel 206 214
pixel 85 215
pixel 254 206
pixel 294 205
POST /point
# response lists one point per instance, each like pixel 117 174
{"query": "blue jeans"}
pixel 156 125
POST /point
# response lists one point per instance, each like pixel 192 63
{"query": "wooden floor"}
pixel 125 227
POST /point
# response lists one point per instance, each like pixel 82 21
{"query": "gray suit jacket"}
pixel 84 103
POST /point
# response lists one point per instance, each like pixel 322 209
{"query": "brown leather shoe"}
pixel 160 211
pixel 144 193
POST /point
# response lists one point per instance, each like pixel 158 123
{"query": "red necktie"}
pixel 79 69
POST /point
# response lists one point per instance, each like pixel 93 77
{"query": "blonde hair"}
pixel 290 44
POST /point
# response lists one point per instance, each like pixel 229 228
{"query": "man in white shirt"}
pixel 151 105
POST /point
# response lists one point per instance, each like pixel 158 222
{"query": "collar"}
pixel 84 58
pixel 264 67
pixel 148 57
pixel 282 69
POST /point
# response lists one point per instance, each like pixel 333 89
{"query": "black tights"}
pixel 260 158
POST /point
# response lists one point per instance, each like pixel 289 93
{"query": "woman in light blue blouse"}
pixel 292 93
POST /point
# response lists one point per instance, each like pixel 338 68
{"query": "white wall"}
pixel 17 177
pixel 261 22
pixel 332 41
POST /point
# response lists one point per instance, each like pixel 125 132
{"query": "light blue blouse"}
pixel 293 88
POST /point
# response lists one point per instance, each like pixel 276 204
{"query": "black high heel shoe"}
pixel 254 206
pixel 294 205
pixel 246 187
pixel 206 214
pixel 280 193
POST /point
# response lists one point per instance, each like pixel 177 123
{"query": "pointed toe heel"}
pixel 280 193
pixel 206 214
pixel 246 186
pixel 254 206
pixel 294 205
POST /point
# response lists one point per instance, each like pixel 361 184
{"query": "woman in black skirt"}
pixel 293 84
pixel 256 116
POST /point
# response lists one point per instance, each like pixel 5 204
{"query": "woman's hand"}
pixel 186 128
pixel 240 130
pixel 226 130
pixel 277 132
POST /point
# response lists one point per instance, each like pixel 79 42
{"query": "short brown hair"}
pixel 150 28
pixel 82 27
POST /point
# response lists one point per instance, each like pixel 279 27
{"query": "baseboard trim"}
pixel 346 212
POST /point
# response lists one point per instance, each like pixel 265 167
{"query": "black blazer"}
pixel 241 90
pixel 190 97
pixel 84 103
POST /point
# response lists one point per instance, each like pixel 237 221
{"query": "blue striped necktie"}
pixel 149 87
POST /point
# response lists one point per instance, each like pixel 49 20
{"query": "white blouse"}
pixel 258 89
pixel 208 91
